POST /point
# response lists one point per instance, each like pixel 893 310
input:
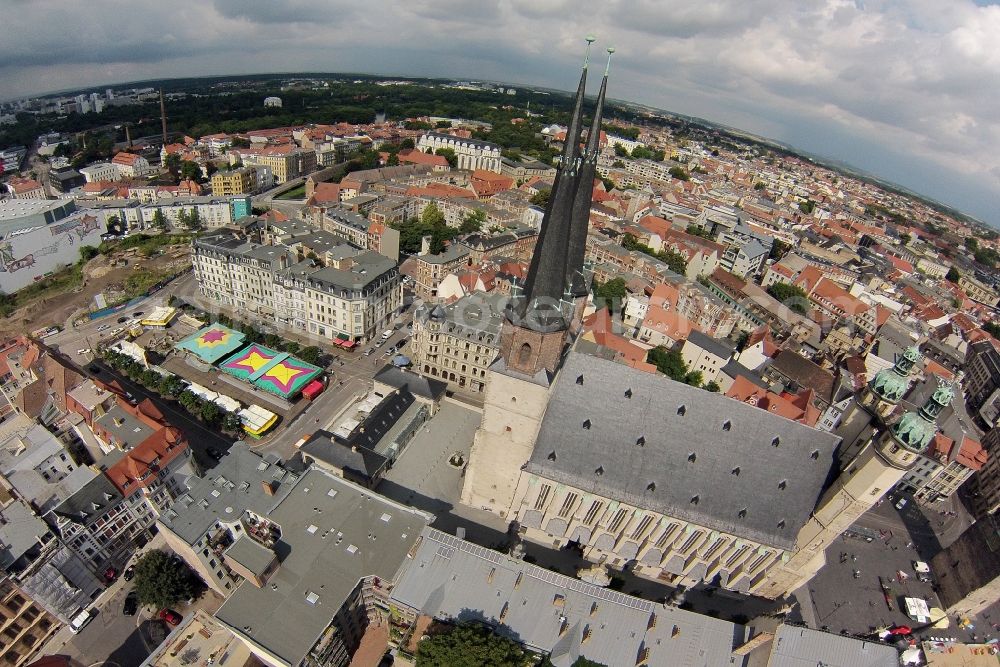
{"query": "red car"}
pixel 110 574
pixel 170 616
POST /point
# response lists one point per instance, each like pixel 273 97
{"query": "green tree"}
pixel 779 249
pixel 993 329
pixel 449 155
pixel 793 296
pixel 621 151
pixel 541 198
pixel 210 412
pixel 159 220
pixel 171 385
pixel 193 220
pixel 432 215
pixel 611 294
pixel 150 378
pixel 468 645
pixel 407 143
pixel 88 252
pixel 953 275
pixel 473 222
pixel 759 185
pixel 905 239
pixel 807 207
pixel 173 164
pixel 231 422
pixel 679 173
pixel 713 387
pixel 310 355
pixel 393 160
pixel 192 171
pixel 668 362
pixel 972 244
pixel 8 303
pixel 190 400
pixel 161 581
pixel 696 230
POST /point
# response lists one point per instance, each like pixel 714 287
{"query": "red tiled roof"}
pixel 152 454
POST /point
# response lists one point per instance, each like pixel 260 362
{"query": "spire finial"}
pixel 591 38
pixel 607 69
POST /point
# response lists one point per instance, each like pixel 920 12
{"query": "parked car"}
pixel 137 313
pixel 104 327
pixel 170 616
pixel 901 503
pixel 131 604
pixel 110 574
pixel 83 351
pixel 122 320
pixel 128 573
pixel 214 453
pixel 369 351
pixel 81 620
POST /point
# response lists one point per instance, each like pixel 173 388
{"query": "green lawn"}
pixel 294 193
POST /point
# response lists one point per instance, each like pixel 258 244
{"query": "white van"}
pixel 387 334
pixel 80 621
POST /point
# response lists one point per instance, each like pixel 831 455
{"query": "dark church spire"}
pixel 539 307
pixel 580 217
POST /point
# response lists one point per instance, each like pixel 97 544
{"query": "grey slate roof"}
pixel 801 647
pixel 333 534
pixel 361 460
pixel 709 344
pixel 418 385
pixel 90 502
pixel 235 483
pixel 778 480
pixel 449 578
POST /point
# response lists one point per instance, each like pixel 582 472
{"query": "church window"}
pixel 524 355
pixel 591 515
pixel 567 505
pixel 640 529
pixel 543 496
pixel 618 519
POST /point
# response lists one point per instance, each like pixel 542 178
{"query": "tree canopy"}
pixel 469 645
pixel 162 580
pixel 611 294
pixel 679 173
pixel 792 296
pixel 953 275
pixel 473 222
pixel 671 364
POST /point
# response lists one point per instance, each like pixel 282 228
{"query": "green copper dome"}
pixel 905 362
pixel 889 385
pixel 939 400
pixel 913 432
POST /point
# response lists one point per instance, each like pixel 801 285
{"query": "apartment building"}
pixel 946 465
pixel 24 626
pixel 100 171
pixel 471 153
pixel 982 375
pixel 241 181
pixel 286 161
pixel 977 291
pixel 431 269
pixel 131 165
pixel 338 292
pixel 458 342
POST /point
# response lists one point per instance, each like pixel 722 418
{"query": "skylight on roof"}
pixel 386 517
pixel 332 493
pixel 215 493
pixel 311 597
pixel 312 529
pixel 351 549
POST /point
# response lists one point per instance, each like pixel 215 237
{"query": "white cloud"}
pixel 908 77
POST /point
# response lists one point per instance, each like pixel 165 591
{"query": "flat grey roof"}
pixel 124 426
pixel 796 646
pixel 615 430
pixel 449 578
pixel 250 554
pixel 234 484
pixel 333 534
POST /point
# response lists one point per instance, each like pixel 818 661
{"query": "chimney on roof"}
pixel 268 488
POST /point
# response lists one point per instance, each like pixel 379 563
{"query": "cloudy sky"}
pixel 906 89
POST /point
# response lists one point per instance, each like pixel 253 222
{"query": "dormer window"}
pixel 628 393
pixel 727 425
pixel 641 441
pixel 586 424
pixel 783 484
pixel 579 379
pixel 781 524
pixel 694 500
pixel 599 471
pixel 552 456
pixel 681 410
pixel 742 513
pixel 815 454
pixel 736 471
pixel 775 441
pixel 692 457
pixel 651 486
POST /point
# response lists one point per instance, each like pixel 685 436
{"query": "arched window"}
pixel 524 355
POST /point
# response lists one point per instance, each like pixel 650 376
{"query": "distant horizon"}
pixel 826 161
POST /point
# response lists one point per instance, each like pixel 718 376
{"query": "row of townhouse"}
pixel 335 293
pixel 212 212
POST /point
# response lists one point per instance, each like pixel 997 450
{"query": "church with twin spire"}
pixel 639 472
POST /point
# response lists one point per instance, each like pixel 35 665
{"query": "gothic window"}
pixel 524 355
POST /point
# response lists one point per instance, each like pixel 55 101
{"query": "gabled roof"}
pixel 614 431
